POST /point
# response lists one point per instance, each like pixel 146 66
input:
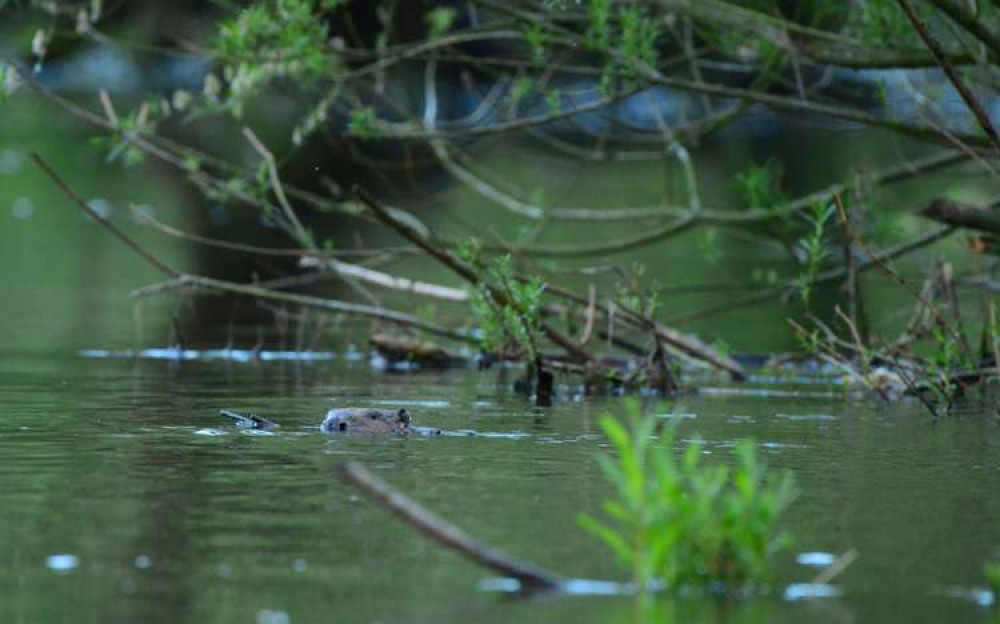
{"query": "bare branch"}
pixel 445 533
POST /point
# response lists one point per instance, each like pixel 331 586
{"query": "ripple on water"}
pixel 807 417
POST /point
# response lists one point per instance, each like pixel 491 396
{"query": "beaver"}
pixel 366 420
pixel 346 419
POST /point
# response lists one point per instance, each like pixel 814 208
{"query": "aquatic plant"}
pixel 682 522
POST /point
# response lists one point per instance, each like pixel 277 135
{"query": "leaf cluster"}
pixel 515 321
pixel 760 186
pixel 284 39
pixel 812 250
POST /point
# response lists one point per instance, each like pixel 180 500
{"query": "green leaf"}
pixel 607 535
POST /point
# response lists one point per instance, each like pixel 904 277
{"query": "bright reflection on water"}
pixel 126 498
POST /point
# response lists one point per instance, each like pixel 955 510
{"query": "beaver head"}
pixel 366 420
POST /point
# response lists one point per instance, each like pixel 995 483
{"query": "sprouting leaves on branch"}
pixel 812 250
pixel 502 324
pixel 283 39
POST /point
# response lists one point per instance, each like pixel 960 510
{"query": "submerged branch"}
pixel 445 533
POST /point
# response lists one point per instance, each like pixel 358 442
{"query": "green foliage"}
pixel 440 21
pixel 760 185
pixel 598 35
pixel 810 341
pixel 638 37
pixel 684 523
pixel 534 36
pixel 883 21
pixel 271 40
pixel 946 359
pixel 515 321
pixel 736 43
pixel 631 33
pixel 362 123
pixel 812 249
pixel 120 144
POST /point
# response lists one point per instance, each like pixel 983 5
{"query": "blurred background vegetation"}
pixel 337 91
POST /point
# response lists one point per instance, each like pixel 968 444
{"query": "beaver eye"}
pixel 342 426
pixel 374 416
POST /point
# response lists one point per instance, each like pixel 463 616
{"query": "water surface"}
pixel 127 498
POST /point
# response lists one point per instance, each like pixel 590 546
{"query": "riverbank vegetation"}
pixel 592 82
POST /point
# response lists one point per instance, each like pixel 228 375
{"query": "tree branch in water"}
pixel 445 533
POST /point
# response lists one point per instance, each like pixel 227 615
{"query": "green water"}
pixel 125 498
pixel 172 515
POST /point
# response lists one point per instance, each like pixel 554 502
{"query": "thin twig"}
pixel 182 282
pixel 967 96
pixel 82 205
pixel 896 277
pixel 272 167
pixel 875 259
pixel 281 252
